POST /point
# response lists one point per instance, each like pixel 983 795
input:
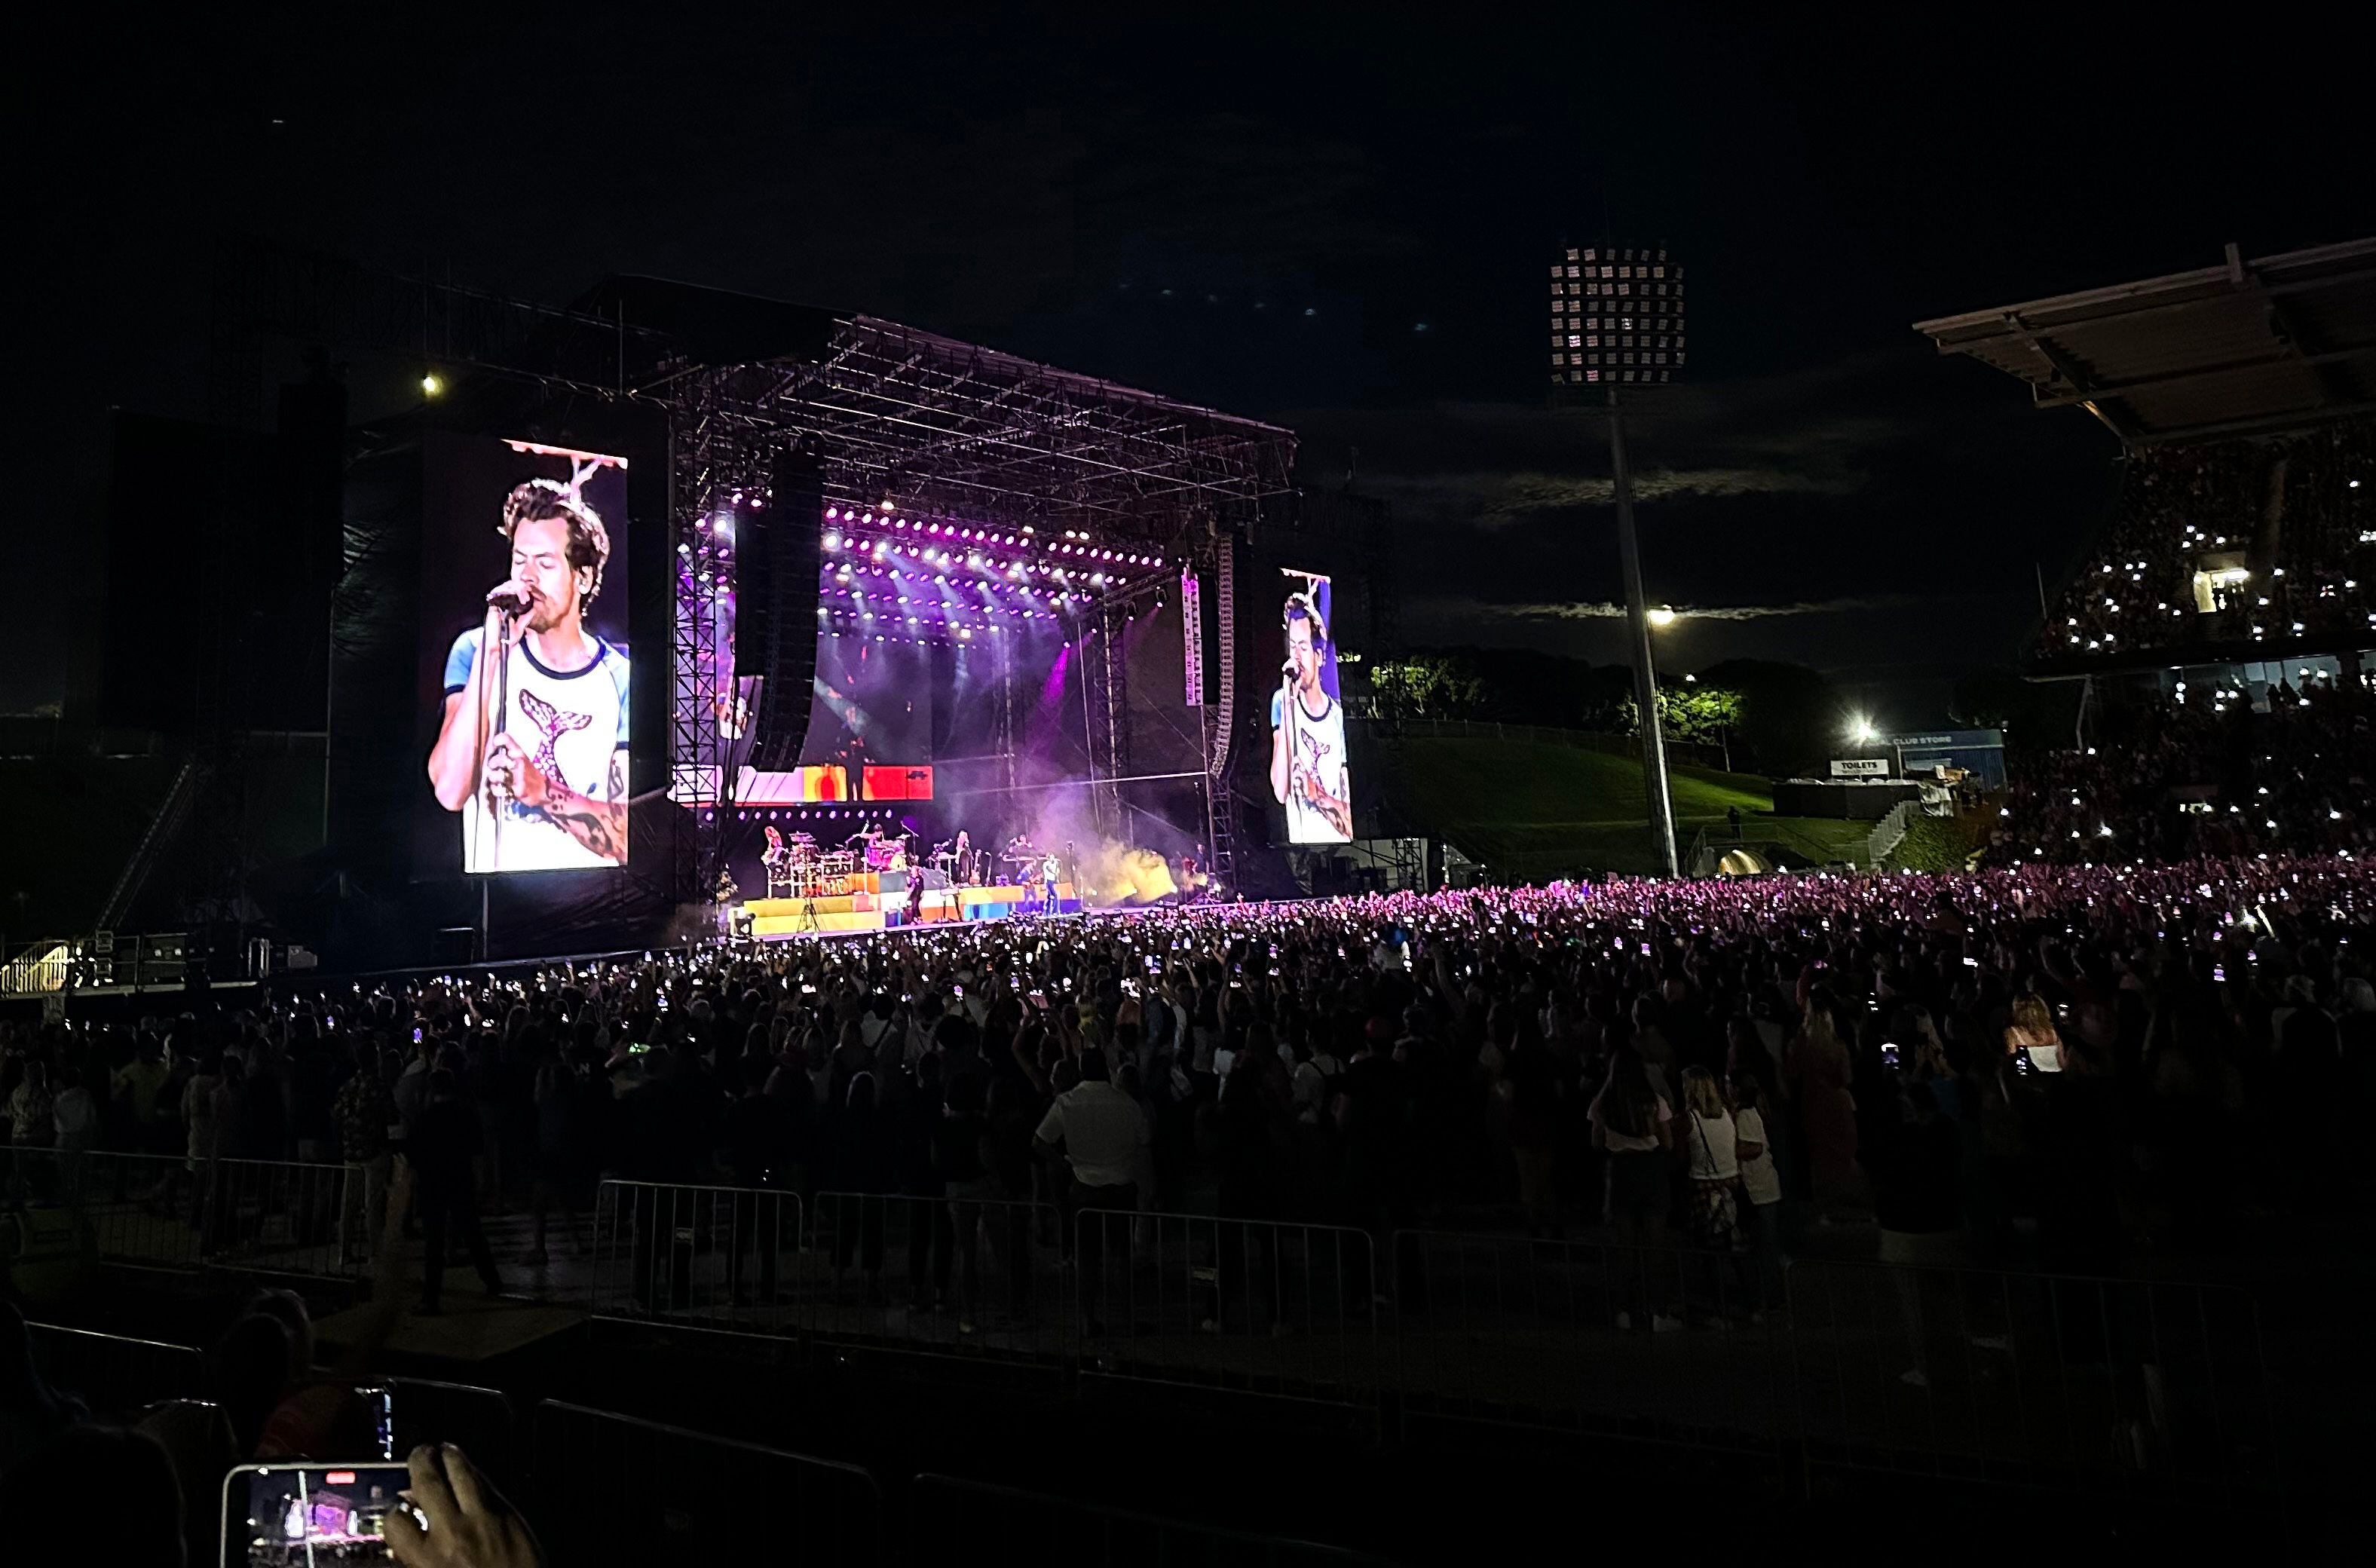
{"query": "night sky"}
pixel 1340 222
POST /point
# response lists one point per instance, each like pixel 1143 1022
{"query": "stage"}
pixel 868 908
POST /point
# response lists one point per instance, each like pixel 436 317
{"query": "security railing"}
pixel 1653 1343
pixel 947 1276
pixel 1254 1306
pixel 2116 1387
pixel 162 1211
pixel 2102 1385
pixel 114 1375
pixel 708 1256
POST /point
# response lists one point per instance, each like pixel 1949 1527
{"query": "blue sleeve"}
pixel 459 660
pixel 620 680
pixel 1275 710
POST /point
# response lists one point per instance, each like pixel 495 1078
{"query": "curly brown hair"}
pixel 543 500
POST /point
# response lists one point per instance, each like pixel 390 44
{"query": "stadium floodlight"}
pixel 1618 322
pixel 1860 730
pixel 1616 318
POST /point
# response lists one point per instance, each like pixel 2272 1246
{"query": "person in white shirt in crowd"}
pixel 1761 1191
pixel 1101 1132
pixel 1712 1145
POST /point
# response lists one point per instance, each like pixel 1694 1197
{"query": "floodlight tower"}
pixel 1617 321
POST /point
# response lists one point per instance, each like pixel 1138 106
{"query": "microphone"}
pixel 508 599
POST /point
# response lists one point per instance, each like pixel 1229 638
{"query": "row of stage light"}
pixel 875 557
pixel 817 814
pixel 1068 548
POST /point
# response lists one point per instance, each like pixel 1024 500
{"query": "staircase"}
pixel 172 813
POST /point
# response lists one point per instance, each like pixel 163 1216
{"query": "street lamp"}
pixel 1662 617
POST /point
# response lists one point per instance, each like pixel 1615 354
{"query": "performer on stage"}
pixel 726 893
pixel 1050 870
pixel 964 872
pixel 542 783
pixel 777 860
pixel 1307 738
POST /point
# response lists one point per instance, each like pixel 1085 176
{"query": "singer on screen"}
pixel 532 751
pixel 1307 733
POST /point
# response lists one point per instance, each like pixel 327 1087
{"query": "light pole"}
pixel 1617 318
pixel 1639 618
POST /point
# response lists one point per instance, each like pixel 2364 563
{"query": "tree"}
pixel 1424 686
pixel 1699 712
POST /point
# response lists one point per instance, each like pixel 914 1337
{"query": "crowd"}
pixel 2045 1061
pixel 1363 1060
pixel 2200 772
pixel 2296 512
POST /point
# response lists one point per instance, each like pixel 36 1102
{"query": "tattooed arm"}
pixel 599 826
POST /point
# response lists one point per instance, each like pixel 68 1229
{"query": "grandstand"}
pixel 2243 396
pixel 2222 621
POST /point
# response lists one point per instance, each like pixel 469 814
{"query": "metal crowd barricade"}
pixel 1650 1343
pixel 2118 1388
pixel 612 1489
pixel 712 1257
pixel 279 1217
pixel 165 1211
pixel 951 1520
pixel 973 1276
pixel 1251 1306
pixel 115 1375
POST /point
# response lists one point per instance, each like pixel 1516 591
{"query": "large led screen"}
pixel 524 553
pixel 1308 771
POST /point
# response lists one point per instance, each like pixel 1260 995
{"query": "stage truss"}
pixel 942 427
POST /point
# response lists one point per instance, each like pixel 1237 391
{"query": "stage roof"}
pixel 2243 347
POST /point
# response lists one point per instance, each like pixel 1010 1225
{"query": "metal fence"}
pixel 704 1256
pixel 114 1375
pixel 610 1488
pixel 2119 1388
pixel 960 1277
pixel 1657 1344
pixel 164 1211
pixel 2114 1387
pixel 951 1520
pixel 1251 1306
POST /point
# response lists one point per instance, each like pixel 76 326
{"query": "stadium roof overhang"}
pixel 2240 348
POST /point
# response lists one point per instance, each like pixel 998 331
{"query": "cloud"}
pixel 1602 610
pixel 1493 500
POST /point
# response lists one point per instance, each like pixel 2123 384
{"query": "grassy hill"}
pixel 1534 808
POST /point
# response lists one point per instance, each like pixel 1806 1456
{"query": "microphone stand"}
pixel 1291 710
pixel 495 701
